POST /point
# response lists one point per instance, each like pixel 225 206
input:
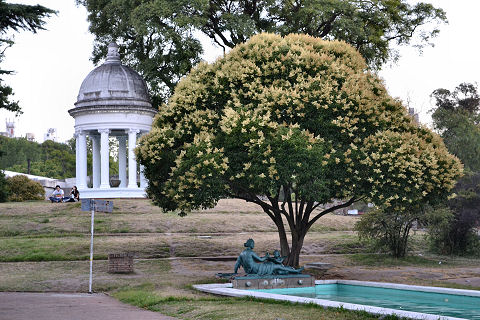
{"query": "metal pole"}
pixel 92 206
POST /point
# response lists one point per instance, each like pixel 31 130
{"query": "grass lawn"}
pixel 45 247
pixel 232 308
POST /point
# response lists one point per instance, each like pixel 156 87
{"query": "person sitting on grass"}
pixel 74 195
pixel 57 195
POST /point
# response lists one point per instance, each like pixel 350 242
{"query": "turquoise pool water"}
pixel 466 307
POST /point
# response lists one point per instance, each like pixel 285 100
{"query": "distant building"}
pixel 10 125
pixel 50 135
pixel 411 112
pixel 30 136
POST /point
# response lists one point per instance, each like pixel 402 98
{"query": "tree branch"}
pixel 327 26
pixel 300 211
pixel 289 214
pixel 331 209
pixel 308 210
pixel 265 206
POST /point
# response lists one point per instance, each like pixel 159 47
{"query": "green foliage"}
pixel 3 188
pixel 17 17
pixel 49 159
pixel 17 151
pixel 21 189
pixel 296 115
pixel 381 260
pixel 452 228
pixel 158 39
pixel 5 93
pixel 457 118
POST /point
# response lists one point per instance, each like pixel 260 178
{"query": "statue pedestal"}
pixel 273 281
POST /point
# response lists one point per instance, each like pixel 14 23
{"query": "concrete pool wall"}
pixel 226 289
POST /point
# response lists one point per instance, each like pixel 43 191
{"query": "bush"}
pixel 3 188
pixel 452 229
pixel 387 231
pixel 21 189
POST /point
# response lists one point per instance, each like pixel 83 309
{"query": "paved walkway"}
pixel 75 306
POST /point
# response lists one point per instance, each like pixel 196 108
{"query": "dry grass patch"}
pixel 140 216
pixel 78 248
pixel 232 244
pixel 41 248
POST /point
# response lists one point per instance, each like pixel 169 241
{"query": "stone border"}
pixel 460 292
pixel 225 289
pixel 273 281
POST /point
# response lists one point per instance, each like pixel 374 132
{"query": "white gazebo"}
pixel 113 101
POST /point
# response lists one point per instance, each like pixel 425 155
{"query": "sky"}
pixel 51 65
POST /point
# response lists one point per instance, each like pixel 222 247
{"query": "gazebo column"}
pixel 132 163
pixel 95 161
pixel 81 165
pixel 77 159
pixel 143 181
pixel 122 161
pixel 104 159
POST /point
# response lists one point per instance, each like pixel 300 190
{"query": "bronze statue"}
pixel 253 264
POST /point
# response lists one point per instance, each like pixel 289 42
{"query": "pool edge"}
pixel 388 285
pixel 225 289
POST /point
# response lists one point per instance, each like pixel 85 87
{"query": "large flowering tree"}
pixel 291 123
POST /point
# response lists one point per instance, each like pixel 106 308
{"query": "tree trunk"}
pixel 298 219
pixel 292 253
pixel 277 219
pixel 293 258
pixel 284 247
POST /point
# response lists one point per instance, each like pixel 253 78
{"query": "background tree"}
pixel 16 17
pixel 48 159
pixel 452 229
pixel 3 187
pixel 456 117
pixel 160 38
pixel 294 115
pixel 17 151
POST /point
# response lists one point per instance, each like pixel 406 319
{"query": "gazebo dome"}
pixel 113 84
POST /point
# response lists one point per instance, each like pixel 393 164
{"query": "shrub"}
pixel 3 188
pixel 21 189
pixel 388 231
pixel 452 229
